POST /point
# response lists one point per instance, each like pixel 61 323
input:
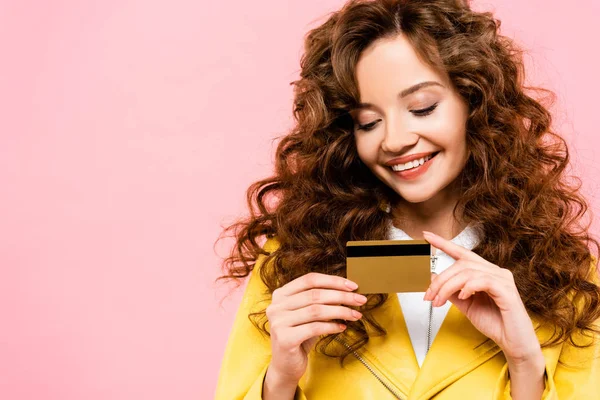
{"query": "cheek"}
pixel 449 124
pixel 458 152
pixel 366 151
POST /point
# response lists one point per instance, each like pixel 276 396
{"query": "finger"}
pixel 293 337
pixel 455 284
pixel 318 312
pixel 452 249
pixel 309 345
pixel 314 280
pixel 455 268
pixel 499 292
pixel 462 305
pixel 322 296
pixel 444 276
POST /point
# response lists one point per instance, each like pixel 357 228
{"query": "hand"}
pixel 300 312
pixel 488 297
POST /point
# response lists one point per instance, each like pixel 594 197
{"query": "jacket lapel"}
pixel 392 355
pixel 457 349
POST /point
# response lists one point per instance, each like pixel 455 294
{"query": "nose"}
pixel 397 137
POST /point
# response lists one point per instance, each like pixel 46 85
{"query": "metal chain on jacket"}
pixel 433 261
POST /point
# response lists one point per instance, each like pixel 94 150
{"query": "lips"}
pixel 431 157
pixel 405 159
pixel 414 173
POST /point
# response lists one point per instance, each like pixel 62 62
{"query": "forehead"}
pixel 390 65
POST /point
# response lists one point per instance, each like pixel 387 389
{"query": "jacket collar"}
pixel 457 349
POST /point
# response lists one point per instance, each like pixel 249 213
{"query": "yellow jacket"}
pixel 461 364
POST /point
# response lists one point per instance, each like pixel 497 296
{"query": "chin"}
pixel 413 196
pixel 416 198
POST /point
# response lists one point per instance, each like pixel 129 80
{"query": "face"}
pixel 397 119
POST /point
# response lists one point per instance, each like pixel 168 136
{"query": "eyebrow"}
pixel 406 92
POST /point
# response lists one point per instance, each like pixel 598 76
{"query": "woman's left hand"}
pixel 488 297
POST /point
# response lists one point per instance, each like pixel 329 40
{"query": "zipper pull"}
pixel 433 261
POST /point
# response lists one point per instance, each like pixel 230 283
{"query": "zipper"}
pixel 379 378
pixel 362 360
pixel 433 261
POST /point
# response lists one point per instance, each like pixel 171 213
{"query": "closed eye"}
pixel 418 113
pixel 367 127
pixel 425 111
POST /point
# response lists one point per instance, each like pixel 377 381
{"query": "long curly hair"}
pixel 514 185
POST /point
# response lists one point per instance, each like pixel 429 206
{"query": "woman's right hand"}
pixel 299 313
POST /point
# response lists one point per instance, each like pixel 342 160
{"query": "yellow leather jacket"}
pixel 461 364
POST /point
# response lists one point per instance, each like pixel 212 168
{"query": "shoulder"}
pixel 594 273
pixel 256 285
pixel 271 244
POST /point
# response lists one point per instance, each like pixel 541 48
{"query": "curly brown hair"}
pixel 514 185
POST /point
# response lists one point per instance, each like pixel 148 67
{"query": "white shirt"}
pixel 414 308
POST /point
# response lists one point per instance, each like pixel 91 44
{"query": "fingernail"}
pixel 356 314
pixel 436 300
pixel 427 233
pixel 427 293
pixel 360 298
pixel 351 285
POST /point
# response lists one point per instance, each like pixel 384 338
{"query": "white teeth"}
pixel 411 164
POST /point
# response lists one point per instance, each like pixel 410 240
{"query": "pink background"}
pixel 129 132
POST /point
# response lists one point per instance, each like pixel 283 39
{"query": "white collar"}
pixel 468 238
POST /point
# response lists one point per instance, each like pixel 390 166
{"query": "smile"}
pixel 416 171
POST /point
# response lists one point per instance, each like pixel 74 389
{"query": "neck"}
pixel 434 215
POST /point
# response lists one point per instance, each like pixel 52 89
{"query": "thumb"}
pixel 462 305
pixel 308 345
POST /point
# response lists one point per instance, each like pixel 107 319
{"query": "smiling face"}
pixel 397 118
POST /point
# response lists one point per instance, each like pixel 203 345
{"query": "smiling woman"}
pixel 412 116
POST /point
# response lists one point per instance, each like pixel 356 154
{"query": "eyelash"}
pixel 418 113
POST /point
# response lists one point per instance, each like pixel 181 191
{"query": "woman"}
pixel 383 83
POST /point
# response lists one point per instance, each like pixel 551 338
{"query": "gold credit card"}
pixel 389 266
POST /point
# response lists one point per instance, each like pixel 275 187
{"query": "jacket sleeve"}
pixel 579 376
pixel 248 351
